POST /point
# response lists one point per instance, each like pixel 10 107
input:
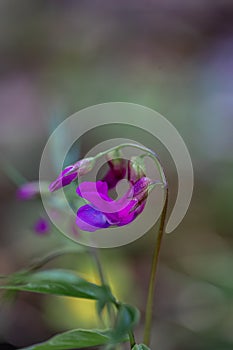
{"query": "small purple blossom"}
pixel 71 173
pixel 103 211
pixel 41 226
pixel 28 191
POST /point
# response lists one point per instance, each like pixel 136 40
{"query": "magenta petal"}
pixel 62 181
pixel 66 170
pixel 69 178
pixel 94 192
pixel 122 215
pixel 90 219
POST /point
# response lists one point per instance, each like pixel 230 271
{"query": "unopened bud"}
pixel 71 173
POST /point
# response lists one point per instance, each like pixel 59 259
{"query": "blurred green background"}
pixel 174 56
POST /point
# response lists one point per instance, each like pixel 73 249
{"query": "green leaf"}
pixel 127 317
pixel 58 282
pixel 140 347
pixel 78 338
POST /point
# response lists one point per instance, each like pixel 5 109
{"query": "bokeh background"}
pixel 175 56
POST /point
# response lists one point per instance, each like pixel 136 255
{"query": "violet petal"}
pixel 90 219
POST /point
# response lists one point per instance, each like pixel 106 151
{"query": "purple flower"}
pixel 103 211
pixel 71 173
pixel 119 168
pixel 28 190
pixel 41 226
pixel 117 171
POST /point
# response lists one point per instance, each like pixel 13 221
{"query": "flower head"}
pixel 103 211
pixel 71 173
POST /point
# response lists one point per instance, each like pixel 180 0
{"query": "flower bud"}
pixel 71 173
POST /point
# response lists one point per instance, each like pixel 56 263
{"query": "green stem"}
pixel 131 339
pixel 96 259
pixel 103 282
pixel 150 297
pixel 95 256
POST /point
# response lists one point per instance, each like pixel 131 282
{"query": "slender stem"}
pixel 96 259
pixel 131 339
pixel 95 256
pixel 150 297
pixel 103 282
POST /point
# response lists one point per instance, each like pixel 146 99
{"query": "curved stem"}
pixel 150 297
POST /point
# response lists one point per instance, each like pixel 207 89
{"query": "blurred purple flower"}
pixel 71 173
pixel 41 226
pixel 103 211
pixel 28 190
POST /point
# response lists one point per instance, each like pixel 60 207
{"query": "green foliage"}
pixel 140 347
pixel 78 338
pixel 127 318
pixel 68 283
pixel 58 282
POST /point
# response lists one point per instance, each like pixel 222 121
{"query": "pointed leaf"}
pixel 74 339
pixel 58 282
